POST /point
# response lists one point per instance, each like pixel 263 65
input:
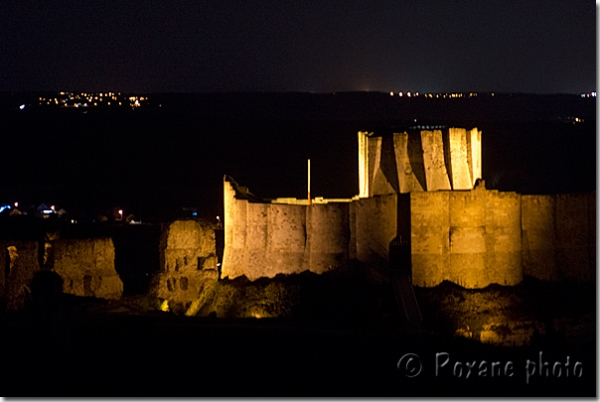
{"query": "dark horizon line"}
pixel 299 92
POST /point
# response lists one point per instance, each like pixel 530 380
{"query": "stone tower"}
pixel 418 159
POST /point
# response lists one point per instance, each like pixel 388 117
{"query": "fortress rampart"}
pixel 559 236
pixel 264 239
pixel 471 238
pixel 421 185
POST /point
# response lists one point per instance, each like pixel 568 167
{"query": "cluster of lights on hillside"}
pixel 589 95
pixel 93 99
pixel 445 95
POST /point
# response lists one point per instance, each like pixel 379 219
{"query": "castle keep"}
pixel 418 160
pixel 423 187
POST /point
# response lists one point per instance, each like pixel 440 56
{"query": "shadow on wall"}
pixel 136 256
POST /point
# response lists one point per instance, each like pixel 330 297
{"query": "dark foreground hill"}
pixel 328 344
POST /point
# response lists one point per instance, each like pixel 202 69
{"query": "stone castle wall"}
pixel 559 237
pixel 373 227
pixel 87 267
pixel 188 260
pixel 471 238
pixel 266 239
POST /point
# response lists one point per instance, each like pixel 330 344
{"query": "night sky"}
pixel 545 46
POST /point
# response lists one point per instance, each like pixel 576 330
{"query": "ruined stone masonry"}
pixel 87 267
pixel 418 160
pixel 263 239
pixel 19 260
pixel 424 186
pixel 188 260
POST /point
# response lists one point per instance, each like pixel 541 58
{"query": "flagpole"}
pixel 309 200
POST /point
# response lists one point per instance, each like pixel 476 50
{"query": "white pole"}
pixel 309 201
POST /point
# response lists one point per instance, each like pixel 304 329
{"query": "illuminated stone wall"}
pixel 460 169
pixel 436 172
pixel 265 239
pixel 188 260
pixel 87 267
pixel 430 236
pixel 559 237
pixel 471 238
pixel 418 160
pixel 20 272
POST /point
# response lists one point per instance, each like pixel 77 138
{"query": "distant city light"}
pixel 22 107
pixel 391 93
pixel 75 100
pixel 399 93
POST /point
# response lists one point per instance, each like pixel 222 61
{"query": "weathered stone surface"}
pixel 539 236
pixel 375 226
pixel 503 238
pixel 436 174
pixel 19 262
pixel 328 235
pixel 266 239
pixel 188 259
pixel 559 237
pixel 471 238
pixel 418 160
pixel 87 267
pixel 409 162
pixel 430 240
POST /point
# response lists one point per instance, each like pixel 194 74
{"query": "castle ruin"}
pixel 422 187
